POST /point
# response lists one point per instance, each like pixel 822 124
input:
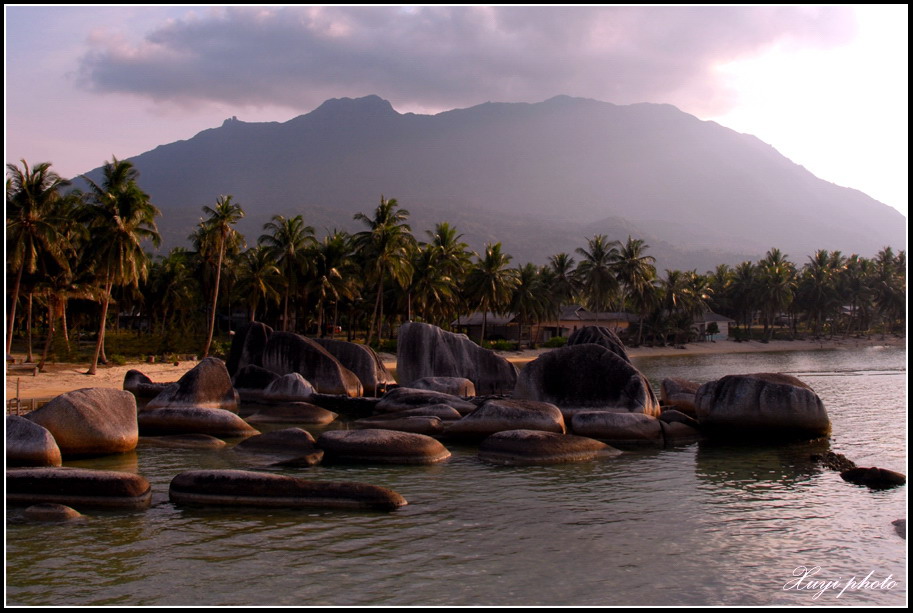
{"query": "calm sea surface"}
pixel 698 524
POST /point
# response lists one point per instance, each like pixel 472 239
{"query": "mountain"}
pixel 540 178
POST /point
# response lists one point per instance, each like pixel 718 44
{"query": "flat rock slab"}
pixel 28 444
pixel 535 447
pixel 183 441
pixel 193 420
pixel 292 413
pixel 498 415
pixel 443 412
pixel 404 398
pixel 455 386
pixel 77 487
pixel 248 488
pixel 381 447
pixel 293 441
pixel 619 428
pixel 419 424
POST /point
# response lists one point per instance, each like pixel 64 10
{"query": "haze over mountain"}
pixel 540 178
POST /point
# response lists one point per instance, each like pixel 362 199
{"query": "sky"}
pixel 827 86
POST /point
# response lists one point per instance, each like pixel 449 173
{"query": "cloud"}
pixel 442 57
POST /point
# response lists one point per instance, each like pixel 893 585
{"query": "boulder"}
pixel 679 393
pixel 404 398
pixel 498 415
pixel 679 433
pixel 48 511
pixel 834 461
pixel 90 421
pixel 183 441
pixel 599 335
pixel 247 346
pixel 874 477
pixel 78 487
pixel 619 428
pixel 419 424
pixel 761 405
pixel 292 413
pixel 193 420
pixel 247 488
pixel 381 447
pixel 292 442
pixel 206 385
pixel 250 381
pixel 586 378
pixel 443 412
pixel 423 350
pixel 142 386
pixel 288 388
pixel 455 386
pixel 535 447
pixel 670 416
pixel 28 444
pixel 286 352
pixel 361 360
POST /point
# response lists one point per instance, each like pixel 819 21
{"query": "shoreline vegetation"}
pixel 64 377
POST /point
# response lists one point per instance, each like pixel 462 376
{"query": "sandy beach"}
pixel 60 378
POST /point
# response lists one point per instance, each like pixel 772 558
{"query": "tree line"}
pixel 86 250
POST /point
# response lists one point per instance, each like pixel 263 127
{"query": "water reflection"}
pixel 749 464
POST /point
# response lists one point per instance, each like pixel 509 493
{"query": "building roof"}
pixel 494 319
pixel 710 316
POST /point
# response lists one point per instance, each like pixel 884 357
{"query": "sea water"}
pixel 699 524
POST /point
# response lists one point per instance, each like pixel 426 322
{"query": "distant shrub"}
pixel 117 359
pixel 385 346
pixel 555 341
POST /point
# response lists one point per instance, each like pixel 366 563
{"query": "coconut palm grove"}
pixel 84 286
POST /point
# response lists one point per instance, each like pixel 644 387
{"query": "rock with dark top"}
pixel 619 428
pixel 291 442
pixel 874 477
pixel 765 405
pixel 28 444
pixel 361 360
pixel 250 381
pixel 423 350
pixel 91 421
pixel 455 386
pixel 599 335
pixel 289 388
pixel 286 352
pixel 679 433
pixel 142 386
pixel 183 441
pixel 193 420
pixel 670 416
pixel 834 461
pixel 381 447
pixel 206 385
pixel 248 488
pixel 247 346
pixel 48 511
pixel 499 415
pixel 403 398
pixel 586 378
pixel 77 487
pixel 292 413
pixel 443 412
pixel 419 424
pixel 679 393
pixel 536 447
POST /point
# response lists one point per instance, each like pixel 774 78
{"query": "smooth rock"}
pixel 289 388
pixel 381 446
pixel 361 360
pixel 455 386
pixel 498 415
pixel 599 335
pixel 444 412
pixel 141 385
pixel 247 488
pixel 679 433
pixel 90 421
pixel 286 352
pixel 536 447
pixel 419 424
pixel 48 511
pixel 619 428
pixel 28 444
pixel 679 393
pixel 874 477
pixel 77 487
pixel 206 385
pixel 183 441
pixel 250 382
pixel 247 346
pixel 292 413
pixel 405 398
pixel 193 420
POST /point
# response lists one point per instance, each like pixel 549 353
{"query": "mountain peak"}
pixel 367 105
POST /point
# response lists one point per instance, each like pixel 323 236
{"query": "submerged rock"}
pixel 619 428
pixel 381 446
pixel 874 477
pixel 536 447
pixel 193 420
pixel 79 487
pixel 292 442
pixel 419 424
pixel 48 511
pixel 183 441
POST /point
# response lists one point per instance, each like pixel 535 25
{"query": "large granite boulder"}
pixel 535 447
pixel 679 393
pixel 405 398
pixel 193 420
pixel 286 352
pixel 247 488
pixel 289 388
pixel 247 346
pixel 206 385
pixel 361 360
pixel 761 405
pixel 292 413
pixel 141 385
pixel 586 378
pixel 455 386
pixel 28 444
pixel 599 335
pixel 423 350
pixel 250 382
pixel 381 447
pixel 77 487
pixel 619 428
pixel 499 415
pixel 91 421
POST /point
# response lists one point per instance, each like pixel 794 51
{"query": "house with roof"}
pixel 570 318
pixel 707 332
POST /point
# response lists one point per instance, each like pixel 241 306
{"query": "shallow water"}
pixel 699 524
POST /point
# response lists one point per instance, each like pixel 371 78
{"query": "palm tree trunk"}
pixel 215 298
pixel 15 297
pixel 377 306
pixel 28 330
pixel 63 323
pixel 285 312
pixel 93 368
pixel 47 342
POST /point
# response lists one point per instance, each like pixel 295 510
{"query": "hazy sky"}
pixel 825 85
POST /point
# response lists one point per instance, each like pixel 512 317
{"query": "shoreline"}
pixel 65 377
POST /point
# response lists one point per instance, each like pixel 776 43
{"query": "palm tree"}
pixel 635 272
pixel 32 224
pixel 330 280
pixel 743 292
pixel 219 222
pixel 776 286
pixel 260 279
pixel 385 249
pixel 597 273
pixel 289 242
pixel 452 259
pixel 529 300
pixel 432 289
pixel 120 217
pixel 491 283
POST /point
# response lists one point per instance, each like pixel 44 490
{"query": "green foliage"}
pixel 500 345
pixel 555 341
pixel 384 346
pixel 117 359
